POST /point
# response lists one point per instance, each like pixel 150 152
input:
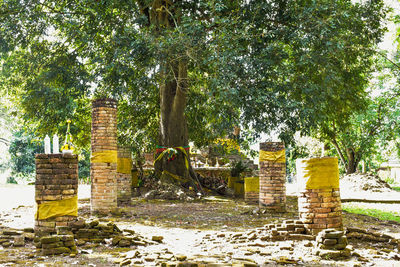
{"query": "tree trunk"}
pixel 173 130
pixel 341 156
pixel 352 161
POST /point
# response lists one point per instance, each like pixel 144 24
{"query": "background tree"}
pixel 192 67
pixel 22 149
pixel 366 132
pixel 370 129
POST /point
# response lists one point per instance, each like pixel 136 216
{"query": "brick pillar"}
pixel 273 176
pixel 251 190
pixel 135 177
pixel 124 176
pixel 56 191
pixel 319 200
pixel 103 165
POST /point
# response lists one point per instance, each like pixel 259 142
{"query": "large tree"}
pixel 369 130
pixel 366 132
pixel 192 68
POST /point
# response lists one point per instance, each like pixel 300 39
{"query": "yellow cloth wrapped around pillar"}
pixel 275 156
pixel 238 188
pixel 318 173
pixel 57 208
pixel 106 156
pixel 135 178
pixel 251 184
pixel 231 181
pixel 124 165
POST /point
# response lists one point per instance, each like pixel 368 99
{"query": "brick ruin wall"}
pixel 56 180
pixel 103 166
pixel 319 200
pixel 124 176
pixel 272 176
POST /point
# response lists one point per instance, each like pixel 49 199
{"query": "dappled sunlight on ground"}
pixel 199 230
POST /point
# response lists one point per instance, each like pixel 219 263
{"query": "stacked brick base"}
pixel 103 166
pixel 332 239
pixel 272 179
pixel 57 244
pixel 56 179
pixel 320 209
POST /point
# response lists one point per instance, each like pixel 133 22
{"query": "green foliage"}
pixel 4 138
pixel 389 180
pixel 368 131
pixel 237 168
pixel 381 215
pixel 84 166
pixel 23 148
pixel 264 65
pixel 292 153
pixel 49 88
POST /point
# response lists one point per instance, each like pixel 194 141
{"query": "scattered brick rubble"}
pixel 332 244
pixel 56 244
pixel 287 230
pixel 80 232
pixel 332 239
pixel 370 236
pixel 16 238
pixel 96 232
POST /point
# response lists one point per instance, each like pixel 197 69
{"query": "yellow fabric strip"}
pixel 160 156
pixel 106 156
pixel 57 208
pixel 186 155
pixel 231 181
pixel 278 156
pixel 251 184
pixel 238 188
pixel 178 148
pixel 124 165
pixel 318 173
pixel 135 178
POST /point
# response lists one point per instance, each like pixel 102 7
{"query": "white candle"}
pixel 47 145
pixel 56 144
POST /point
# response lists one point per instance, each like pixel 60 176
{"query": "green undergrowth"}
pixel 381 215
pixel 397 188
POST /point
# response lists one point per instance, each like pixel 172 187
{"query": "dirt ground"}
pixel 199 231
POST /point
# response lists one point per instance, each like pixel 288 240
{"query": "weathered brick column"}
pixel 319 200
pixel 251 190
pixel 135 177
pixel 273 176
pixel 124 176
pixel 103 165
pixel 56 191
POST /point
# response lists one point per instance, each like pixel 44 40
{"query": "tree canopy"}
pixel 264 65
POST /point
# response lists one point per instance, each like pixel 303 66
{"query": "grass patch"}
pixel 397 188
pixel 381 215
